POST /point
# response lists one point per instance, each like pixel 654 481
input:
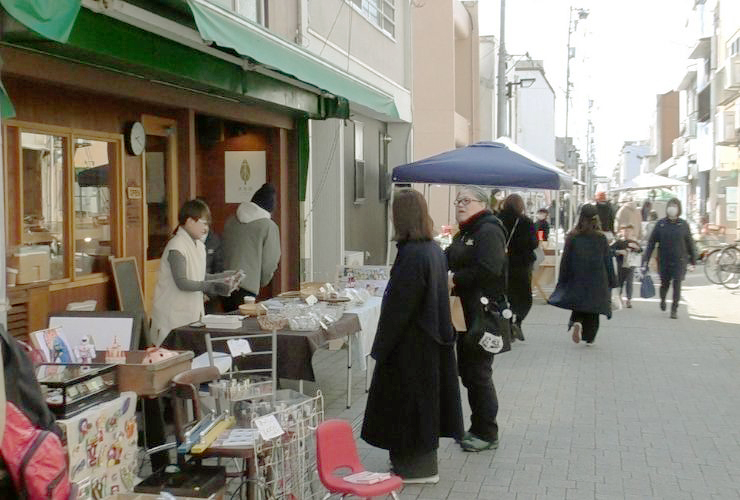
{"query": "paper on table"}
pixel 239 347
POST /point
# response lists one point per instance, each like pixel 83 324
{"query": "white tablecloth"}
pixel 368 314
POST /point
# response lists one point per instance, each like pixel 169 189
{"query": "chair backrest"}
pixel 335 449
pixel 186 388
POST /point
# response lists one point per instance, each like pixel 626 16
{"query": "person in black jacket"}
pixel 586 277
pixel 414 396
pixel 477 261
pixel 606 214
pixel 542 226
pixel 522 241
pixel 675 248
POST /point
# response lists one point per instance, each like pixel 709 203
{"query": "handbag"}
pixel 457 314
pixel 491 328
pixel 647 288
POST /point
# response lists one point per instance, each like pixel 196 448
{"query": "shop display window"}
pixel 65 182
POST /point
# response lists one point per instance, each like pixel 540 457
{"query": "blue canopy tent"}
pixel 501 164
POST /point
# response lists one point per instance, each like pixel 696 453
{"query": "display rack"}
pixel 286 466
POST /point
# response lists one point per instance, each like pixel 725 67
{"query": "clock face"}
pixel 136 138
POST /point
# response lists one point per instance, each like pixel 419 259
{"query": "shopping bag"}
pixel 647 289
pixel 491 328
pixel 539 257
pixel 616 300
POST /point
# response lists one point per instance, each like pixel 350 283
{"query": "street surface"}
pixel 652 410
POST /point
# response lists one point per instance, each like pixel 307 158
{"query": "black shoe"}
pixel 662 304
pixel 518 333
pixel 674 314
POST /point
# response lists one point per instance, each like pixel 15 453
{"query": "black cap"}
pixel 264 197
pixel 589 210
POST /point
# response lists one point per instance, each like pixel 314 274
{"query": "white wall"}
pixel 534 126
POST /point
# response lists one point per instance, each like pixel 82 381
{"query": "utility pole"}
pixel 572 25
pixel 502 100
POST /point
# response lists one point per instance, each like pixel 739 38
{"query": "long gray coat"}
pixel 414 397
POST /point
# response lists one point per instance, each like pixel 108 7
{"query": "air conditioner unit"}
pixel 732 72
pixel 724 127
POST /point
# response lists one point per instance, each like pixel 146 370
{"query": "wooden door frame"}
pixel 162 127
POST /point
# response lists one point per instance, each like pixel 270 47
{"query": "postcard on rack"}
pixel 53 345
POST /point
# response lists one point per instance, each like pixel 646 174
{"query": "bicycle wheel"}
pixel 729 267
pixel 711 266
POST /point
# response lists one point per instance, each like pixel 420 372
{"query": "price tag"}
pixel 268 427
pixel 311 300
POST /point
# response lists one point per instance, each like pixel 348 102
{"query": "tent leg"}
pixel 557 236
pixel 390 226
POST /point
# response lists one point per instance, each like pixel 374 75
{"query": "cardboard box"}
pixel 33 264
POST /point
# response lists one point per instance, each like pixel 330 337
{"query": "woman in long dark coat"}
pixel 414 396
pixel 522 241
pixel 586 277
pixel 675 250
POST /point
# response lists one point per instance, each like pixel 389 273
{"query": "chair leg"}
pixel 394 495
pixel 327 496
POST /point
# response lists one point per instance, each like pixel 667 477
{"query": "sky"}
pixel 627 52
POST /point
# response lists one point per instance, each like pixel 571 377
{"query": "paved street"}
pixel 652 410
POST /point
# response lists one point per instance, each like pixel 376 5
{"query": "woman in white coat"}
pixel 178 297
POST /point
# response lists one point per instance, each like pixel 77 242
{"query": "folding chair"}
pixel 336 449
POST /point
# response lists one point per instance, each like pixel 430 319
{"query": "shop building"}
pixel 115 113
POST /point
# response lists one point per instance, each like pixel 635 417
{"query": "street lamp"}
pixel 524 83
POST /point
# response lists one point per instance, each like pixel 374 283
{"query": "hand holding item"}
pixel 218 288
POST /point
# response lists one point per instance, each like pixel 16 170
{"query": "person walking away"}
pixel 605 211
pixel 251 241
pixel 627 251
pixel 521 243
pixel 477 261
pixel 675 250
pixel 541 225
pixel 542 229
pixel 629 215
pixel 414 397
pixel 182 280
pixel 586 277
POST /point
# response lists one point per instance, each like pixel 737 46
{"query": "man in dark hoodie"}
pixel 251 241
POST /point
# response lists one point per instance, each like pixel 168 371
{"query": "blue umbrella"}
pixel 500 163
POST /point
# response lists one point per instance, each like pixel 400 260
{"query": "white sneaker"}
pixel 422 480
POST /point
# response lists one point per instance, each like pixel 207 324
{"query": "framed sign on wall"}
pixel 245 172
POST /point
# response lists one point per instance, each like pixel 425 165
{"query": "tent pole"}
pixel 390 226
pixel 557 236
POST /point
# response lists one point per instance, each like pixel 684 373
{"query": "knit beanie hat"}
pixel 264 197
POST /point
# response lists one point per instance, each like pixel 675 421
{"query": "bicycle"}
pixel 728 265
pixel 711 265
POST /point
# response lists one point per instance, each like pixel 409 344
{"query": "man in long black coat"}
pixel 675 249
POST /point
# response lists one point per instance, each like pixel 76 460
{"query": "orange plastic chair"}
pixel 336 449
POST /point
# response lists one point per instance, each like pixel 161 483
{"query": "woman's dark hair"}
pixel 588 221
pixel 514 203
pixel 193 209
pixel 677 202
pixel 411 220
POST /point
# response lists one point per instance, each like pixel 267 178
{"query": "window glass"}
pixel 381 13
pixel 43 245
pixel 92 204
pixel 156 195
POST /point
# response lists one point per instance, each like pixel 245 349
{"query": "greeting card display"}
pixel 101 446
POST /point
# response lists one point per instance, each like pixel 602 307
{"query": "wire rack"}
pixel 286 466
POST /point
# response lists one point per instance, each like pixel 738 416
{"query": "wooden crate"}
pixel 148 379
